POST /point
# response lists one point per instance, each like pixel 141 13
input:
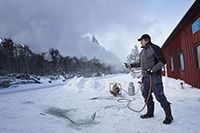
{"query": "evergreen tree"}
pixel 133 57
pixel 94 40
pixel 19 59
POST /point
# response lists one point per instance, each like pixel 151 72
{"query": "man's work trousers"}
pixel 156 88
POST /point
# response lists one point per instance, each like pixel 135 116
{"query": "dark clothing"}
pixel 151 57
pixel 156 88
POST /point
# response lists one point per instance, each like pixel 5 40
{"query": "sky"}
pixel 68 25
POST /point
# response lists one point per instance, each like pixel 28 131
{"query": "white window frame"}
pixel 197 53
pixel 181 61
pixel 171 63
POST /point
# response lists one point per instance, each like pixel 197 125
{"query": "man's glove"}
pixel 149 71
pixel 127 65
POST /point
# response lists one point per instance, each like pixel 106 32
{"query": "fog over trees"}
pixel 19 59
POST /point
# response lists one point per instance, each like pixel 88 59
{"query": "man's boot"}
pixel 168 115
pixel 150 110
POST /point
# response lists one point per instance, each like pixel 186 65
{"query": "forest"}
pixel 19 59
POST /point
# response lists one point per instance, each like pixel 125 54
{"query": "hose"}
pixel 129 100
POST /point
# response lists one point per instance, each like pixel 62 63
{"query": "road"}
pixel 4 92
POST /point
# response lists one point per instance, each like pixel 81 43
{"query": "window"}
pixel 181 61
pixel 197 52
pixel 171 64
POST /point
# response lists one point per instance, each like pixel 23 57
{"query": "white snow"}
pixel 84 105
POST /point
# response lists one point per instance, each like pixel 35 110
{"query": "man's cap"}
pixel 145 36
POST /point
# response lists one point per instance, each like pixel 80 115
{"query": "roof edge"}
pixel 182 21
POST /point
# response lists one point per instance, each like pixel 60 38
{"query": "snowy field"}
pixel 84 105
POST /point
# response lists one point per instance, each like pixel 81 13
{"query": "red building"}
pixel 182 48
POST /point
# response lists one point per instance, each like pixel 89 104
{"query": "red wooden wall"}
pixel 183 39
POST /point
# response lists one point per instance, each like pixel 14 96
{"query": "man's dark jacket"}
pixel 151 57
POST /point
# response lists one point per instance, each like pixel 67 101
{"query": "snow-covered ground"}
pixel 85 105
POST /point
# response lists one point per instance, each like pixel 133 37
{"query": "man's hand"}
pixel 127 65
pixel 149 71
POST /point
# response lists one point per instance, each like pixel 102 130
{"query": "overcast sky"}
pixel 68 25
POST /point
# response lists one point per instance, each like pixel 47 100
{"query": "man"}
pixel 152 60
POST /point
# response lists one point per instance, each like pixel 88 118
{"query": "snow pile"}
pixel 85 105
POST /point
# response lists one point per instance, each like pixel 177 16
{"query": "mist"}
pixel 68 25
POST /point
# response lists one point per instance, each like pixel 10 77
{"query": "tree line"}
pixel 19 59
